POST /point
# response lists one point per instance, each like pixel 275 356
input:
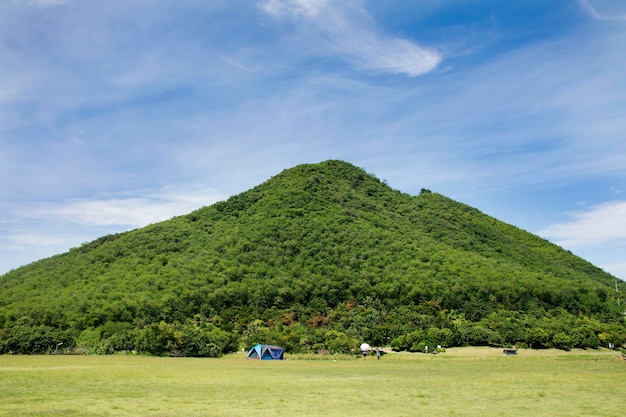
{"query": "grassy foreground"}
pixel 460 382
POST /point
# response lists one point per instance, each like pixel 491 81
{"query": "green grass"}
pixel 460 382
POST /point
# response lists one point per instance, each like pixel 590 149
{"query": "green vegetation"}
pixel 461 382
pixel 321 256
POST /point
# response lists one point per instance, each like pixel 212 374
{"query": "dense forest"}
pixel 321 256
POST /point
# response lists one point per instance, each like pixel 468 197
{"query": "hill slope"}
pixel 319 256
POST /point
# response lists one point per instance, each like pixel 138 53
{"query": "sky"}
pixel 115 114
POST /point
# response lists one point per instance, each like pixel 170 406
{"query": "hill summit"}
pixel 321 256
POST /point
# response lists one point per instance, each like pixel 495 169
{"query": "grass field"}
pixel 461 382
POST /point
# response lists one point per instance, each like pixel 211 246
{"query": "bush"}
pixel 339 342
pixel 538 338
pixel 562 341
pixel 477 335
pixel 28 339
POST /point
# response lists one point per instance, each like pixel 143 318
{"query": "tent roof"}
pixel 261 351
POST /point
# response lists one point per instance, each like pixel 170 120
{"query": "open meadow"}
pixel 461 382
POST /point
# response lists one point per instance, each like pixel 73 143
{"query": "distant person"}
pixel 378 354
pixel 364 352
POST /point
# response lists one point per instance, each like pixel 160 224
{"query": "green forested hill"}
pixel 321 256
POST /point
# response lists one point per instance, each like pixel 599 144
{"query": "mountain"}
pixel 321 256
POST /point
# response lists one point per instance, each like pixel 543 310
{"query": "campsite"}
pixel 459 382
pixel 266 352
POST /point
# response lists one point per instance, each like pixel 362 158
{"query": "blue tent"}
pixel 265 352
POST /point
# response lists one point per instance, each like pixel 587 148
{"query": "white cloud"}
pixel 34 239
pixel 133 211
pixel 604 9
pixel 41 2
pixel 601 224
pixel 294 7
pixel 343 28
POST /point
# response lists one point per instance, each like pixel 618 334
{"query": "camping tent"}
pixel 265 352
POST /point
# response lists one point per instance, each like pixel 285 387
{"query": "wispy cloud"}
pixel 41 2
pixel 34 239
pixel 136 211
pixel 545 113
pixel 294 7
pixel 604 9
pixel 347 30
pixel 600 224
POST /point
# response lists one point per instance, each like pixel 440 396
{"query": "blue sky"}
pixel 116 114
